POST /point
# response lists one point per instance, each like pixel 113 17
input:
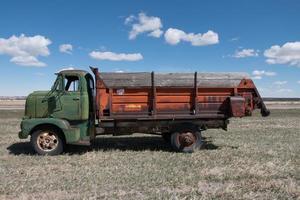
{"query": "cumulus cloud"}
pixel 129 19
pixel 245 53
pixel 144 24
pixel 284 90
pixel 174 36
pixel 235 39
pixel 258 74
pixel 107 55
pixel 66 48
pixel 280 87
pixel 280 83
pixel 289 53
pixel 278 92
pixel 263 72
pixel 257 77
pixel 25 50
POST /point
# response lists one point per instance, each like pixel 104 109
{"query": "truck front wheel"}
pixel 47 142
pixel 186 140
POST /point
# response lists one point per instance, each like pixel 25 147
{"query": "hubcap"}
pixel 186 139
pixel 47 141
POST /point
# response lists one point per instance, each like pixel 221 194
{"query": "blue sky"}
pixel 259 37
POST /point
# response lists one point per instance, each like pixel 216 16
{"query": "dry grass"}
pixel 283 104
pixel 12 104
pixel 258 158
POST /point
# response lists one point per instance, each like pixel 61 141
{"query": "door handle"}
pixel 76 98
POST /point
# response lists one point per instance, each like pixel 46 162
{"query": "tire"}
pixel 47 141
pixel 167 137
pixel 186 139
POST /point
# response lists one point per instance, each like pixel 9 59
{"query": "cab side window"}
pixel 71 83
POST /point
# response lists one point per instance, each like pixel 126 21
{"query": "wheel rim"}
pixel 186 139
pixel 47 141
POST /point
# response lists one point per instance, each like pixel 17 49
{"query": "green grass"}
pixel 258 158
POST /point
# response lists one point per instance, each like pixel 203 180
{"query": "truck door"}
pixel 70 98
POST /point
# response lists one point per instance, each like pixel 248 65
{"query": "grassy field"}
pixel 258 158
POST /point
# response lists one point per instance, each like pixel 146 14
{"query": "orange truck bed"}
pixel 145 95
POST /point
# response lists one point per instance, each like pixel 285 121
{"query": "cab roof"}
pixel 73 71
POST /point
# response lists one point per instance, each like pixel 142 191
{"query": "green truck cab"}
pixel 63 115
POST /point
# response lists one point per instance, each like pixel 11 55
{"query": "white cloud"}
pixel 263 72
pixel 107 55
pixel 289 53
pixel 234 39
pixel 27 61
pixel 257 77
pixel 144 24
pixel 157 33
pixel 270 91
pixel 246 53
pixel 25 50
pixel 66 48
pixel 270 73
pixel 298 82
pixel 174 36
pixel 129 19
pixel 283 90
pixel 258 74
pixel 278 90
pixel 280 83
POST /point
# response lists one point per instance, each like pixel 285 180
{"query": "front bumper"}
pixel 24 132
pixel 22 135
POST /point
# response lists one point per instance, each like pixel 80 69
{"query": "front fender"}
pixel 28 125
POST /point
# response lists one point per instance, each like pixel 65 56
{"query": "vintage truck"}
pixel 176 105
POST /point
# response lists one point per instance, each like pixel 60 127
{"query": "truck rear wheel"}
pixel 186 140
pixel 166 137
pixel 47 142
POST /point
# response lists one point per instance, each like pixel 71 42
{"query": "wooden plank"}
pixel 203 115
pixel 173 99
pixel 130 107
pixel 211 99
pixel 174 91
pixel 173 107
pixel 210 106
pixel 133 92
pixel 144 79
pixel 131 99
